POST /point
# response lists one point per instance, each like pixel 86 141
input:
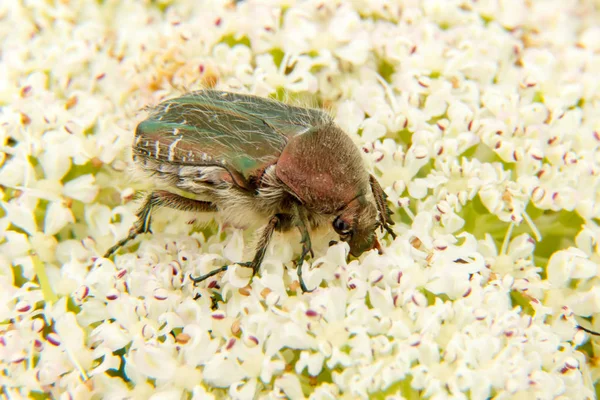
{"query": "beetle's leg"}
pixel 158 199
pixel 206 276
pixel 306 249
pixel 263 243
pixel 384 212
pixel 261 249
pixel 301 224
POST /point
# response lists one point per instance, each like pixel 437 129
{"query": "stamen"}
pixel 534 229
pixel 504 248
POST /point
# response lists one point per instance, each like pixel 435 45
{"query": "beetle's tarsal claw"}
pixel 390 231
pixel 249 264
pixel 300 279
pixel 303 287
pixel 132 234
pixel 158 199
pixel 204 277
pixel 588 330
pixel 377 246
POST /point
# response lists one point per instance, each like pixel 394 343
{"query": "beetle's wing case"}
pixel 241 134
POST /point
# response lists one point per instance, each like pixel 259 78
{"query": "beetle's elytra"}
pixel 252 158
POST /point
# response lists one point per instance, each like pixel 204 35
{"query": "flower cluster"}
pixel 481 120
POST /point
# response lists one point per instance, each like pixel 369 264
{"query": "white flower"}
pixel 20 213
pixel 57 217
pixel 517 261
pixel 372 130
pixel 213 371
pixel 312 362
pixel 112 336
pixel 167 394
pixel 349 116
pixel 243 391
pixel 152 361
pixel 200 393
pixel 98 217
pixel 473 117
pixel 16 245
pixel 356 52
pixel 288 385
pixel 455 183
pixel 201 348
pixel 233 250
pixel 56 158
pixel 568 264
pixel 82 188
pixel 45 246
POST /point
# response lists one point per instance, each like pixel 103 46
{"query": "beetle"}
pixel 251 158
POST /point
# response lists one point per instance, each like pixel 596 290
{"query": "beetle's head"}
pixel 356 224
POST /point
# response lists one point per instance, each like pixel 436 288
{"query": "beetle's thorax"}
pixel 323 168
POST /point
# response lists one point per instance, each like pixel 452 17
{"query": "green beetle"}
pixel 256 159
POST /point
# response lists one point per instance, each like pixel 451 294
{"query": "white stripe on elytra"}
pixel 172 148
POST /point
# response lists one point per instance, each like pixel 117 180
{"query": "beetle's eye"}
pixel 341 226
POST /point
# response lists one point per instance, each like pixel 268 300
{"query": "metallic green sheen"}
pixel 241 133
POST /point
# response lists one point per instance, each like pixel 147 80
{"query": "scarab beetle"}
pixel 252 158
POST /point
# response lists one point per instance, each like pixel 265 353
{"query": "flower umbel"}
pixel 480 119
